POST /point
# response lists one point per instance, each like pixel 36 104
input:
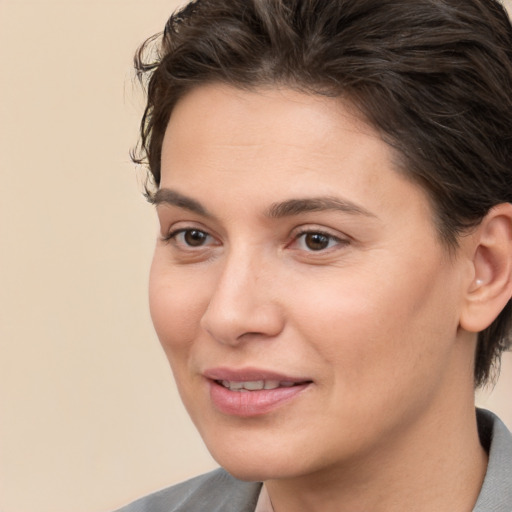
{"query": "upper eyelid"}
pixel 323 233
pixel 306 229
pixel 317 231
pixel 340 240
pixel 175 228
pixel 167 227
pixel 174 232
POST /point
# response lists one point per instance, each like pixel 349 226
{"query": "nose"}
pixel 243 304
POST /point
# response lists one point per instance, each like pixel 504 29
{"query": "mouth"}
pixel 248 393
pixel 257 385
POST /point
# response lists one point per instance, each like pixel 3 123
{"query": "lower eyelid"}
pixel 210 239
pixel 175 235
pixel 335 242
pixel 319 232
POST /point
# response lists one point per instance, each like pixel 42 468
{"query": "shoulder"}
pixel 216 491
pixel 496 492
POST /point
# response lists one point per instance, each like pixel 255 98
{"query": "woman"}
pixel 333 181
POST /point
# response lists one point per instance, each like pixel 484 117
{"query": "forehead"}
pixel 273 142
pixel 270 108
pixel 221 122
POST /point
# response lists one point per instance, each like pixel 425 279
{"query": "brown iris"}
pixel 316 241
pixel 194 237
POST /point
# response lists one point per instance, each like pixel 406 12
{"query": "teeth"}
pixel 254 385
pixel 233 386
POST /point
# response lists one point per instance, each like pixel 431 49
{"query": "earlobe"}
pixel 491 287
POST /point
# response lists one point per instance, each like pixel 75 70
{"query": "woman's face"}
pixel 293 257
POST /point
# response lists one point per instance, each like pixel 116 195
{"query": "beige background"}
pixel 89 417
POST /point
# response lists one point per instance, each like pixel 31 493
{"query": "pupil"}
pixel 194 237
pixel 317 241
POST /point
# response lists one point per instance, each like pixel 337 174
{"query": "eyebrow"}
pixel 316 204
pixel 171 197
pixel 278 210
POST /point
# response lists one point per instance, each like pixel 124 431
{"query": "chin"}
pixel 259 471
pixel 255 464
pixel 248 474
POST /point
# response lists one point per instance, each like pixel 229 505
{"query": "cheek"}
pixel 375 326
pixel 384 349
pixel 176 305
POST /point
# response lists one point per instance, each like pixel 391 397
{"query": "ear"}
pixel 491 286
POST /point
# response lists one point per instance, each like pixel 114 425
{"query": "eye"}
pixel 316 241
pixel 190 237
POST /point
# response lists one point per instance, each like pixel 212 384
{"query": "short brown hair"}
pixel 433 76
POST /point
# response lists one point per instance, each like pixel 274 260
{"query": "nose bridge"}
pixel 242 302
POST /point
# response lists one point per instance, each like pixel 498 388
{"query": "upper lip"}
pixel 249 375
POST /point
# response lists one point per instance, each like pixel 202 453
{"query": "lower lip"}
pixel 252 403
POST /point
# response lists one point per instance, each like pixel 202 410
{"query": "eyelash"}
pixel 328 237
pixel 172 236
pixel 318 232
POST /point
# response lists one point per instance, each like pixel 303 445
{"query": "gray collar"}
pixel 496 493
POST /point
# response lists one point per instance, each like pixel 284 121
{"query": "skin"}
pixel 373 320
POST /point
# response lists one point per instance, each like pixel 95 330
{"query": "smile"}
pixel 255 385
pixel 252 392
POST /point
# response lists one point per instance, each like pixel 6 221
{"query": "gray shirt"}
pixel 219 492
pixel 496 492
